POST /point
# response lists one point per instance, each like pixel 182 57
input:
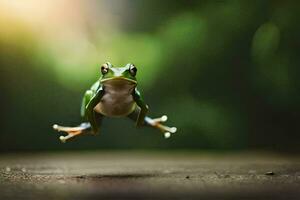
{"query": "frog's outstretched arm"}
pixel 143 107
pixel 90 100
pixel 155 123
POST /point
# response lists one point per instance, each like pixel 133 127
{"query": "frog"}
pixel 114 95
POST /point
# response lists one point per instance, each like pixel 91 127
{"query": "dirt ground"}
pixel 149 175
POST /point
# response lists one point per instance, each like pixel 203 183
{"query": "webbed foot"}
pixel 157 123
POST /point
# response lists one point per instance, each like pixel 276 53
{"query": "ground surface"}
pixel 149 175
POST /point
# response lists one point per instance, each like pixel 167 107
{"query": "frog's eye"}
pixel 104 68
pixel 132 70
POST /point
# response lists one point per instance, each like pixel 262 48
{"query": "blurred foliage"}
pixel 223 71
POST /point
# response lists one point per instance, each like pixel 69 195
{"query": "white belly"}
pixel 117 100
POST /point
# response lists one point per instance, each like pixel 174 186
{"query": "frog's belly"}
pixel 116 104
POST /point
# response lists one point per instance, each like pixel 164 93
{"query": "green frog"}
pixel 115 94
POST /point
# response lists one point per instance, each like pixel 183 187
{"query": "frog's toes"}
pixel 167 134
pixel 163 118
pixel 62 139
pixel 71 131
pixel 173 129
pixel 169 131
pixel 55 127
pixel 58 128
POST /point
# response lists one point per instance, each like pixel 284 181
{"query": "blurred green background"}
pixel 225 72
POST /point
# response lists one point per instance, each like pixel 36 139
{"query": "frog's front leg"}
pixel 90 100
pixel 157 123
pixel 83 128
pixel 154 122
pixel 72 131
pixel 141 114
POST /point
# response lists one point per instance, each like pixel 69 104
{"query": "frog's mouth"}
pixel 119 79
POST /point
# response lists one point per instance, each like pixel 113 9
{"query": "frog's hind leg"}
pixel 155 123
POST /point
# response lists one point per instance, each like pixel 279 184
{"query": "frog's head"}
pixel 111 73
